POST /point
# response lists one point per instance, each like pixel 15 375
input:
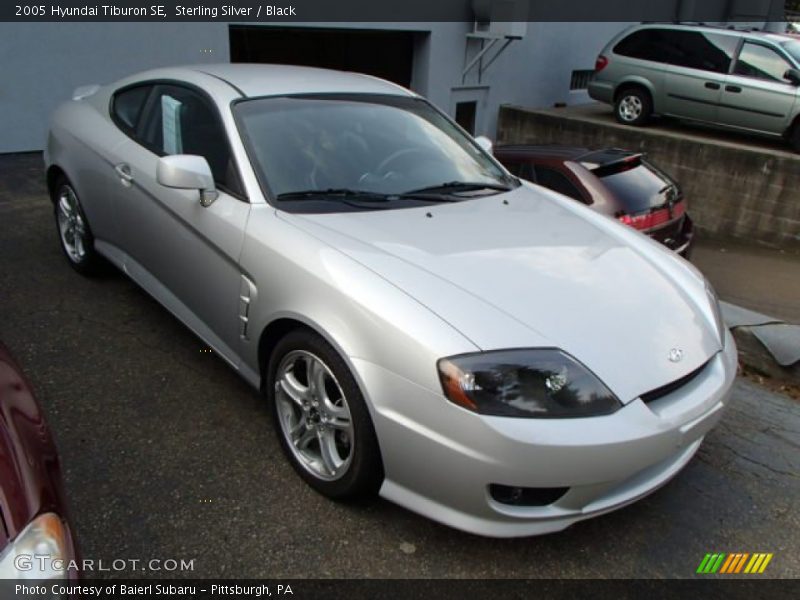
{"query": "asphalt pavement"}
pixel 167 454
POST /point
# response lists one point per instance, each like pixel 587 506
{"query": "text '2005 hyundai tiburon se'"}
pixel 423 324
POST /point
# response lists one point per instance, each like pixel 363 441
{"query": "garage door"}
pixel 385 54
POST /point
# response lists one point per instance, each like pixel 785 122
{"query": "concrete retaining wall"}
pixel 734 189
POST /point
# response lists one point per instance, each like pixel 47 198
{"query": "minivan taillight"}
pixel 600 64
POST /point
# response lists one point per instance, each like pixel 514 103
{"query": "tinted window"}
pixel 693 49
pixel 637 188
pixel 705 51
pixel 761 62
pixel 647 44
pixel 558 182
pixel 520 169
pixel 128 105
pixel 182 121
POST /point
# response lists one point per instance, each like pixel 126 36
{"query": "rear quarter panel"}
pixel 81 142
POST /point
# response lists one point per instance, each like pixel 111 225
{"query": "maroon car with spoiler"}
pixel 618 183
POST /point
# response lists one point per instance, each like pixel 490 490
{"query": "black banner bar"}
pixel 384 10
pixel 711 588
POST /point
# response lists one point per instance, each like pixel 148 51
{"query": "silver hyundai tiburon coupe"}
pixel 423 325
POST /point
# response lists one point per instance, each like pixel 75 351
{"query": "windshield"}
pixel 385 145
pixel 793 48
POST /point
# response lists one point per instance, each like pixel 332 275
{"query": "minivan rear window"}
pixel 638 186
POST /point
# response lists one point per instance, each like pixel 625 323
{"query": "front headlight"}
pixel 718 322
pixel 538 383
pixel 39 552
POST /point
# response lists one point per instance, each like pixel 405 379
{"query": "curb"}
pixel 766 345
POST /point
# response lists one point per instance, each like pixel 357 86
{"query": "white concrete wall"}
pixel 44 62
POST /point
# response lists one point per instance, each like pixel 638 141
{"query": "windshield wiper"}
pixel 361 195
pixel 364 195
pixel 458 186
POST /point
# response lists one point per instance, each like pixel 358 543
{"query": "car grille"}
pixel 664 390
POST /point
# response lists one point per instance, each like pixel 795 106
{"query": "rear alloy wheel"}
pixel 74 234
pixel 321 418
pixel 633 107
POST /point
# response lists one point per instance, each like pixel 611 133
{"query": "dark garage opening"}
pixel 385 54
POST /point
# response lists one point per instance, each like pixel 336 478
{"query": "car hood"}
pixel 530 268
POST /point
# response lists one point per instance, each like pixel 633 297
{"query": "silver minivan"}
pixel 747 80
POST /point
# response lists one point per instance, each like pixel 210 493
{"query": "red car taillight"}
pixel 600 64
pixel 653 218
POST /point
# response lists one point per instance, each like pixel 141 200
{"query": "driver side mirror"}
pixel 484 143
pixel 188 172
pixel 793 76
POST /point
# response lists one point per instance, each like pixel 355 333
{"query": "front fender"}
pixel 359 313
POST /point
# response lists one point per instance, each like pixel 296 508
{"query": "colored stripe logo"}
pixel 734 563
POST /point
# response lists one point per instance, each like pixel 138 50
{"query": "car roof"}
pixel 253 80
pixel 725 29
pixel 588 157
pixel 545 151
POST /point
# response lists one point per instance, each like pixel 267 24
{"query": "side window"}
pixel 647 44
pixel 550 178
pixel 526 171
pixel 126 107
pixel 703 51
pixel 761 62
pixel 182 121
pixel 521 169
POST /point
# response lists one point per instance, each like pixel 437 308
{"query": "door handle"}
pixel 711 85
pixel 124 172
pixel 733 88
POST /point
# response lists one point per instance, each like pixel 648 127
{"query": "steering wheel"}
pixel 383 167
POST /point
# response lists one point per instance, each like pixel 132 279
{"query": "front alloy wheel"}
pixel 314 415
pixel 321 418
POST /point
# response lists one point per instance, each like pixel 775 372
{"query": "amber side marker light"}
pixel 453 383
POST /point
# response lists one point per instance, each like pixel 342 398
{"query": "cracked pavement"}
pixel 168 454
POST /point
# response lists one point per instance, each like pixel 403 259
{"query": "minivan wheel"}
pixel 321 418
pixel 633 106
pixel 77 241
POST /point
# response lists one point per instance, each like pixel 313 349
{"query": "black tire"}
pixel 794 137
pixel 633 106
pixel 363 476
pixel 86 261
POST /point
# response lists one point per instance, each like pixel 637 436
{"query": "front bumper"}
pixel 440 459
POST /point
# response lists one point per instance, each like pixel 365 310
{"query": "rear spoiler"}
pixel 626 162
pixel 85 91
